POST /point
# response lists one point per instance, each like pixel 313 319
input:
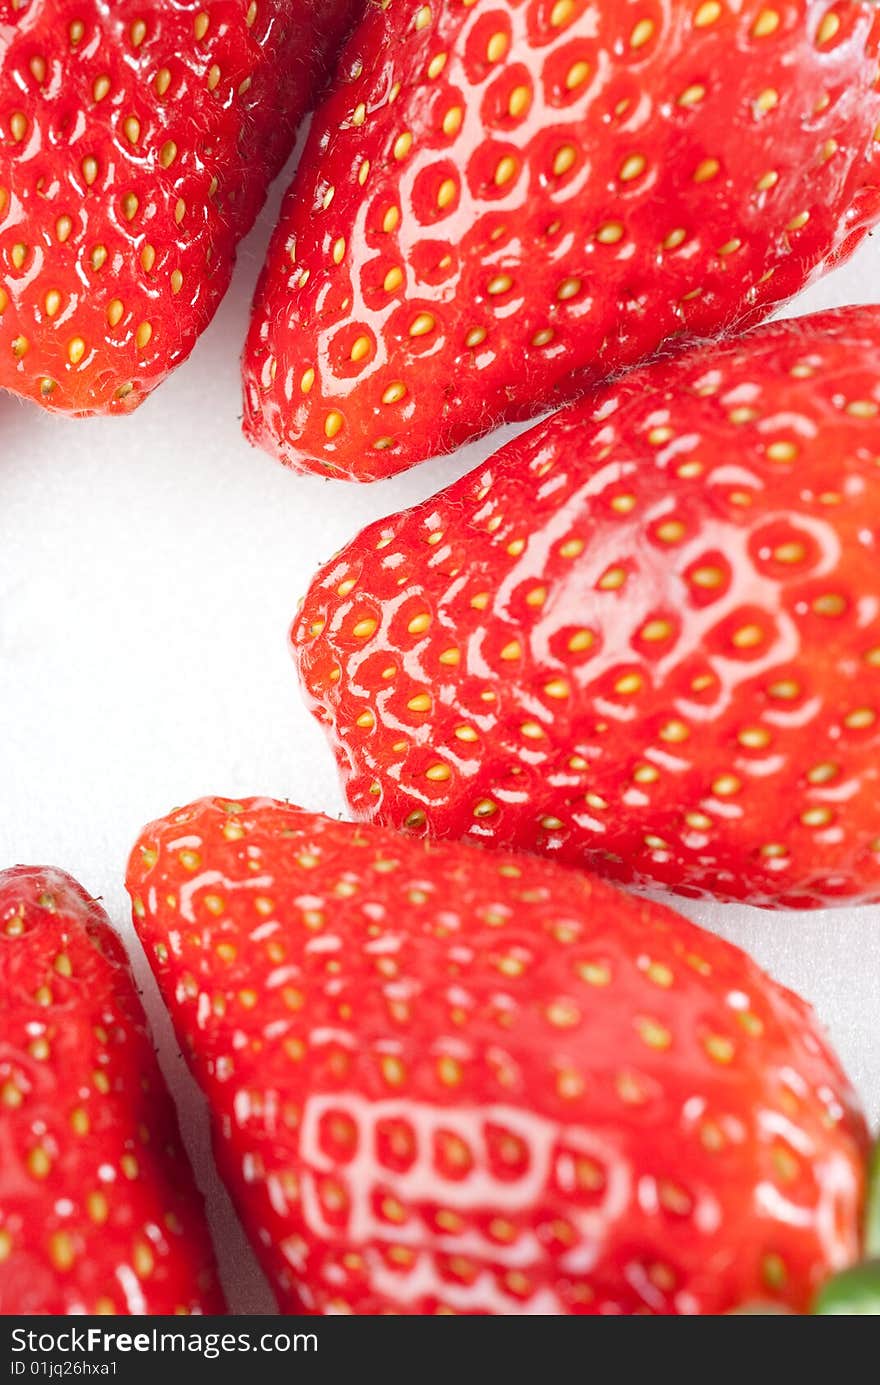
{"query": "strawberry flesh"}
pixel 445 1080
pixel 99 1211
pixel 137 141
pixel 644 637
pixel 502 204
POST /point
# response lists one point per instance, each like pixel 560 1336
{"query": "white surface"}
pixel 149 569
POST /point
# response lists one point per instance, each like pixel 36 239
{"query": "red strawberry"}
pixel 501 204
pixel 99 1212
pixel 644 638
pixel 444 1080
pixel 136 144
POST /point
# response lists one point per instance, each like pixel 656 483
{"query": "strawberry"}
pixel 99 1212
pixel 644 637
pixel 136 143
pixel 503 203
pixel 445 1080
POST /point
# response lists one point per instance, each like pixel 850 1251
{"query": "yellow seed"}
pixel 569 288
pixel 18 126
pixel 708 13
pixel 89 169
pixel 829 28
pixel 612 580
pixel 452 121
pixel 5 1244
pixel 561 14
pixel 627 685
pixel 450 657
pixel 200 25
pixel 654 1034
pixel 798 221
pixel 861 718
pixel 501 283
pixel 769 180
pixel 162 81
pixel 505 170
pixel 438 773
pixel 730 247
pixel 176 281
pixel 129 206
pixel 726 785
pixel 168 153
pixel 782 451
pixel 747 636
pixel 419 624
pixel 436 65
pixel 422 325
pixel 497 47
pixel 333 423
pixel 61 1250
pixel 402 145
pixel 707 170
pixel 642 33
pixel 446 194
pixel 511 651
pixel 132 129
pixel 719 1048
pixel 360 348
pixel 572 548
pixel 692 95
pixel 577 74
pixel 654 630
pixel 610 233
pixel 365 628
pixel 519 101
pixel 394 393
pixel 564 159
pixel 767 100
pixel 633 167
pixel 76 350
pixel 39 1163
pixel 393 279
pixel 485 808
pixel 863 408
pixel 423 18
pixel 52 302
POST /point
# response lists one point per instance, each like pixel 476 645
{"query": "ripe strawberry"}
pixel 501 204
pixel 644 637
pixel 136 144
pixel 99 1212
pixel 444 1080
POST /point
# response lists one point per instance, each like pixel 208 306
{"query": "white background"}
pixel 149 569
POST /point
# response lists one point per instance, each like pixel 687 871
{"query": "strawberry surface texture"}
pixel 502 203
pixel 137 140
pixel 99 1211
pixel 644 637
pixel 447 1080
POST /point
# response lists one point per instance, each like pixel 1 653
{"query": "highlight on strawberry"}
pixel 501 204
pixel 99 1210
pixel 644 637
pixel 137 142
pixel 447 1080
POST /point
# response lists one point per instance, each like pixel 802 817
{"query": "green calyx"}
pixel 856 1292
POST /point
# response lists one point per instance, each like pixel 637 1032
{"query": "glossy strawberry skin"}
pixel 99 1211
pixel 502 204
pixel 450 1080
pixel 644 637
pixel 136 145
